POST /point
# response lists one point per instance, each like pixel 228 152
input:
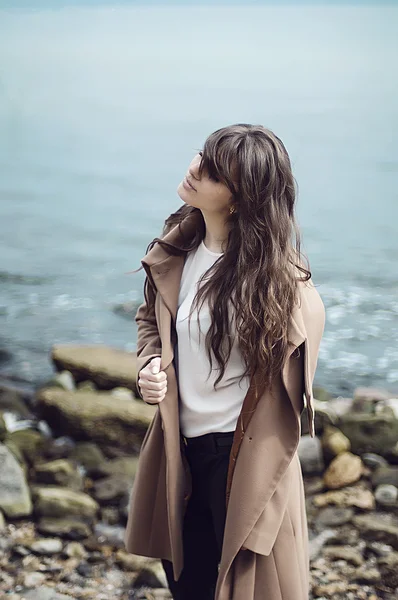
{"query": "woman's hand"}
pixel 153 382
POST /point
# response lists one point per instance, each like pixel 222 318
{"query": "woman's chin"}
pixel 184 195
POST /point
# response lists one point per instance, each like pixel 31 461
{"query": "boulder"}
pixel 53 501
pixel 346 468
pixel 60 472
pixel 96 416
pixel 377 433
pixel 108 367
pixel 15 500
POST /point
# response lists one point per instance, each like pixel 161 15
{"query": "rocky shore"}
pixel 68 455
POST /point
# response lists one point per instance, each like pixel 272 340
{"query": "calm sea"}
pixel 101 110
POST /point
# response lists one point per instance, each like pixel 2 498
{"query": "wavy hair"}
pixel 259 270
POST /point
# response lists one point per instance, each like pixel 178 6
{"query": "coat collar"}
pixel 165 270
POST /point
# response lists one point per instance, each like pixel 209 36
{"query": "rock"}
pixel 107 367
pixel 11 401
pixel 385 475
pixel 45 593
pixel 321 394
pixel 374 527
pixel 52 501
pixel 310 454
pixel 60 472
pixel 2 523
pixel 362 395
pixel 75 550
pixel 60 447
pixel 46 546
pixel 370 433
pixel 33 579
pixel 110 534
pixel 388 566
pixel 366 574
pixel 350 496
pixel 334 442
pixel 87 386
pixel 152 576
pixel 131 562
pixel 15 500
pixel 386 495
pixel 346 468
pixel 374 461
pixel 350 555
pixel 65 380
pixel 89 455
pixel 333 517
pixel 316 543
pixel 125 466
pixel 3 428
pixel 123 393
pixel 330 590
pixel 29 442
pixel 99 417
pixel 111 489
pixel 67 528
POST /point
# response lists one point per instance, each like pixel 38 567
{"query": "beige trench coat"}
pixel 265 549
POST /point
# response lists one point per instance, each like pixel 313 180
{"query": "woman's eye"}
pixel 200 153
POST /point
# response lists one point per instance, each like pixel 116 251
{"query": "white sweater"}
pixel 203 410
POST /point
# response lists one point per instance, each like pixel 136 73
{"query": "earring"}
pixel 232 209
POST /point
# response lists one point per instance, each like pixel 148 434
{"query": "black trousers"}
pixel 204 522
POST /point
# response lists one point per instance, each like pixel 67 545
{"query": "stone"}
pixel 355 496
pixel 89 455
pixel 52 501
pixel 334 442
pixel 366 574
pixel 46 593
pixel 369 432
pixel 388 566
pixel 29 442
pixel 385 475
pixel 111 489
pixel 152 576
pixel 350 555
pixel 2 523
pixel 61 472
pixel 125 466
pixel 33 579
pixel 375 527
pixel 75 550
pixel 386 494
pixel 87 386
pixel 15 500
pixel 346 468
pixel 99 416
pixel 370 394
pixel 46 546
pixel 333 516
pixel 310 454
pixel 69 528
pixel 110 534
pixel 374 461
pixel 108 367
pixel 12 401
pixel 122 392
pixel 65 380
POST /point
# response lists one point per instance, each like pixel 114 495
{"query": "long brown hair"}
pixel 258 272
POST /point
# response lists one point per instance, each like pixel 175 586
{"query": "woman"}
pixel 228 340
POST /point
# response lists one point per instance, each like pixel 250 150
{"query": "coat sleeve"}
pixel 148 338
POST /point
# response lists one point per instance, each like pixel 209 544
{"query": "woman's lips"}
pixel 187 185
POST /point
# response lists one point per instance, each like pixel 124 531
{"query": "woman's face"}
pixel 207 194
